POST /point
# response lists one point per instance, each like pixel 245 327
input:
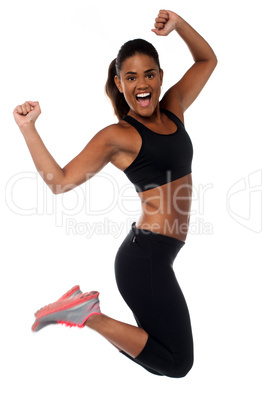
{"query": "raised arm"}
pixel 97 153
pixel 182 95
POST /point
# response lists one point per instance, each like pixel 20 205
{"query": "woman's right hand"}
pixel 166 22
pixel 26 113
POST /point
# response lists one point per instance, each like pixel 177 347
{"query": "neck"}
pixel 153 118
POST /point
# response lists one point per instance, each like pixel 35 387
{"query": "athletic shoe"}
pixel 69 294
pixel 72 312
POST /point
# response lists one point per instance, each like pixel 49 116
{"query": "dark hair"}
pixel 129 49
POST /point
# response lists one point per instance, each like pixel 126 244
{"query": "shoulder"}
pixel 115 135
pixel 173 106
pixel 120 127
pixel 122 140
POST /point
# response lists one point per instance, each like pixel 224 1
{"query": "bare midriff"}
pixel 166 209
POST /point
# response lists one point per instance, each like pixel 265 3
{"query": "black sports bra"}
pixel 162 158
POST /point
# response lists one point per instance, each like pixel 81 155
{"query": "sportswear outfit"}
pixel 144 261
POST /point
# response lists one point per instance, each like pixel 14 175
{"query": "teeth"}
pixel 143 95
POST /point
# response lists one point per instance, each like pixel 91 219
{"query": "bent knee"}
pixel 180 369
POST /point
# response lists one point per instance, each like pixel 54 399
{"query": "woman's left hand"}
pixel 165 22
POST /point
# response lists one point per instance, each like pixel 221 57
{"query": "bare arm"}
pixel 97 153
pixel 183 94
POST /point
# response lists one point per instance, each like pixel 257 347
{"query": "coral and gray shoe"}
pixel 71 293
pixel 72 311
pixel 75 291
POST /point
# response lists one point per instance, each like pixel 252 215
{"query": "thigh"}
pixel 170 305
pixel 133 277
pixel 132 269
pixel 148 284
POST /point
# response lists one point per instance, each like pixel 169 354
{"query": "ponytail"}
pixel 118 101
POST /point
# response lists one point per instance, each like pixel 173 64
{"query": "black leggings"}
pixel 146 281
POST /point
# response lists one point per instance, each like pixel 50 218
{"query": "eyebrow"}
pixel 147 71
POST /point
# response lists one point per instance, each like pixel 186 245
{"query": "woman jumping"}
pixel 151 146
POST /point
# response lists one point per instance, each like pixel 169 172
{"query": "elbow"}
pixel 213 63
pixel 58 185
pixel 61 188
pixel 61 185
pixel 55 188
pixel 58 189
pixel 214 59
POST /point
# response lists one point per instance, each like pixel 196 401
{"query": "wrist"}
pixel 28 127
pixel 179 23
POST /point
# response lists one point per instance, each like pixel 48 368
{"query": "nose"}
pixel 142 83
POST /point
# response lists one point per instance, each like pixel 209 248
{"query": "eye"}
pixel 131 78
pixel 150 75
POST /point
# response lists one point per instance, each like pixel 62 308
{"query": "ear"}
pixel 161 77
pixel 118 83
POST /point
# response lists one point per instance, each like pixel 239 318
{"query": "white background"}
pixel 58 52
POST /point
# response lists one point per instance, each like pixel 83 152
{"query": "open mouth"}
pixel 144 99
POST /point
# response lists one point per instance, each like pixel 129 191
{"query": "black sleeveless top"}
pixel 162 157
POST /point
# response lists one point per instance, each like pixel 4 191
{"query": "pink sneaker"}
pixel 72 311
pixel 69 294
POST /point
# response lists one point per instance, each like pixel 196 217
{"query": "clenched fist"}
pixel 166 22
pixel 26 113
